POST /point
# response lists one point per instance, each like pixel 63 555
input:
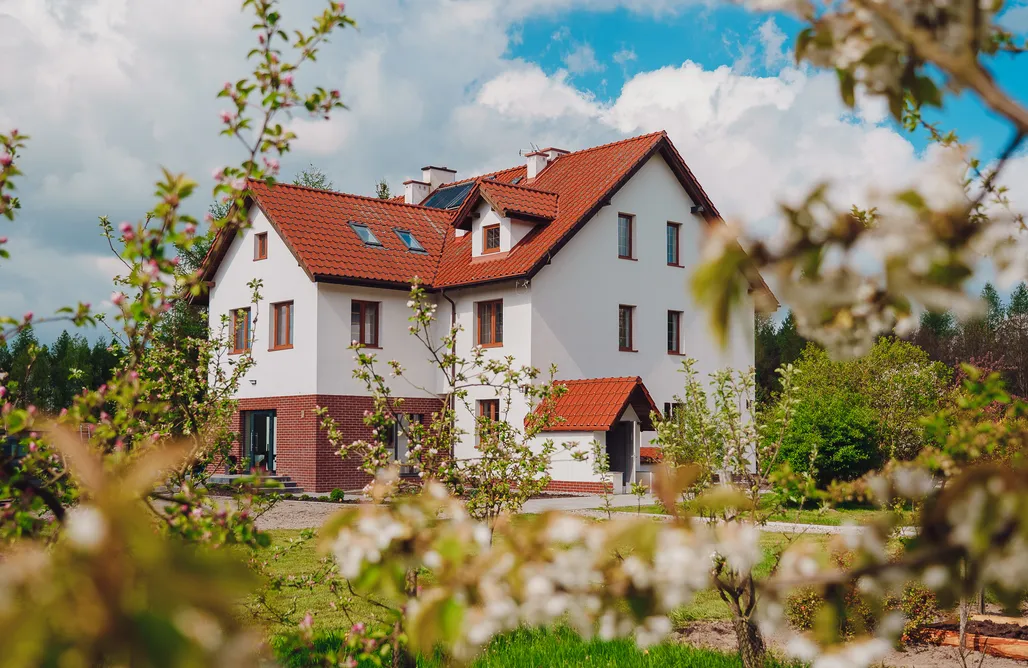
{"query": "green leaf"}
pixel 847 87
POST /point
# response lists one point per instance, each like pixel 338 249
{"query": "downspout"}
pixel 453 366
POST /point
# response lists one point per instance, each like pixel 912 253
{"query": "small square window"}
pixel 260 246
pixel 491 239
pixel 489 409
pixel 365 234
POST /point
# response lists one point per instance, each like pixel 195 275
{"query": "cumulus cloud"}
pixel 112 90
pixel 582 60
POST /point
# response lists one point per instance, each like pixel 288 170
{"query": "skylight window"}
pixel 516 181
pixel 366 235
pixel 409 241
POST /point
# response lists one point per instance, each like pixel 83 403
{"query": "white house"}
pixel 579 259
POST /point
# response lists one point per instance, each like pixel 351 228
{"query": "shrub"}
pixel 920 606
pixel 337 495
pixel 834 437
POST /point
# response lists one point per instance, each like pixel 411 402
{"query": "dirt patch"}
pixel 719 635
pixel 987 628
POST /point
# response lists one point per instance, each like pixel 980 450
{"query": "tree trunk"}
pixel 751 643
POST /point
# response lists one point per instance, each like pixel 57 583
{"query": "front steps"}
pixel 285 484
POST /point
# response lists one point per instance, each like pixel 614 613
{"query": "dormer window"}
pixel 409 241
pixel 491 239
pixel 365 234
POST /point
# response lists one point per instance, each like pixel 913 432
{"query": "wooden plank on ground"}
pixel 1004 647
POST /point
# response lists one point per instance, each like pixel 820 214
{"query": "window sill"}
pixel 490 251
pixel 258 259
pixel 368 346
pixel 238 352
pixel 625 257
pixel 679 266
pixel 627 350
pixel 675 353
pixel 289 347
pixel 490 345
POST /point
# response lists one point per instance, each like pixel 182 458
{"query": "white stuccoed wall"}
pixel 517 338
pixel 279 372
pixel 335 359
pixel 576 297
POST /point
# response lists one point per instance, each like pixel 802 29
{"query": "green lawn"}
pixel 827 516
pixel 562 648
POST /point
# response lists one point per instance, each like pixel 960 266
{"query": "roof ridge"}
pixel 391 201
pixel 518 186
pixel 615 143
pixel 601 380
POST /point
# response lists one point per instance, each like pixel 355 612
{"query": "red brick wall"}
pixel 302 450
pixel 576 487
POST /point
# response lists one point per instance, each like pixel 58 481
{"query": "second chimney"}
pixel 437 176
pixel 536 163
pixel 415 192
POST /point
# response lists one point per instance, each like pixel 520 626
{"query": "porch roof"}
pixel 597 404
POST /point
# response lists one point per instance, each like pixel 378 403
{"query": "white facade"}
pixel 566 315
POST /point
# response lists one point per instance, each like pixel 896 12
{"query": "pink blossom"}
pixel 260 38
pixel 287 80
pixel 117 298
pixel 227 116
pixel 228 85
pixel 125 227
pixel 33 447
pixel 64 411
pixel 31 410
pixel 27 317
pixel 334 94
pixel 6 159
pixel 3 240
pixel 3 391
pixel 219 174
pixel 271 164
pixel 104 416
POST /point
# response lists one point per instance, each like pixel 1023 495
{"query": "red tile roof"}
pixel 567 193
pixel 596 404
pixel 650 455
pixel 519 201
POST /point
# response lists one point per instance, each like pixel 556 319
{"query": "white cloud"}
pixel 582 60
pixel 624 56
pixel 772 41
pixel 113 89
pixel 1016 19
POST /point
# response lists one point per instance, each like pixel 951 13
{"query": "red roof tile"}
pixel 650 455
pixel 596 404
pixel 518 201
pixel 581 181
pixel 567 193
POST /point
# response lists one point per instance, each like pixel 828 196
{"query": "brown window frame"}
pixel 260 246
pixel 678 332
pixel 631 328
pixel 677 227
pixel 486 229
pixel 246 332
pixel 495 307
pixel 483 409
pixel 631 234
pixel 290 328
pixel 363 305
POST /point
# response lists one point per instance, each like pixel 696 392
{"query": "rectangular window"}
pixel 671 409
pixel 260 246
pixel 673 232
pixel 282 326
pixel 489 327
pixel 625 225
pixel 674 332
pixel 625 326
pixel 364 323
pixel 489 408
pixel 400 442
pixel 491 239
pixel 241 330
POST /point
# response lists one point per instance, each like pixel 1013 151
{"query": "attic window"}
pixel 516 181
pixel 366 235
pixel 409 241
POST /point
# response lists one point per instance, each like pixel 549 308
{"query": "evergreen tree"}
pixel 767 358
pixel 939 325
pixel 790 343
pixel 994 311
pixel 1018 301
pixel 382 190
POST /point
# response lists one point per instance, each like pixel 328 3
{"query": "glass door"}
pixel 259 440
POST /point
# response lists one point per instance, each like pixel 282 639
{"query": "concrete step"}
pixel 285 485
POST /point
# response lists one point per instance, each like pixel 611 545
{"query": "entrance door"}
pixel 619 445
pixel 259 440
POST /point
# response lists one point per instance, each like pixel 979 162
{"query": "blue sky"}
pixel 611 46
pixel 112 91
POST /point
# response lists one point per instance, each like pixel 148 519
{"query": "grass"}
pixel 819 516
pixel 563 648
